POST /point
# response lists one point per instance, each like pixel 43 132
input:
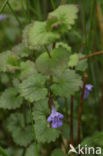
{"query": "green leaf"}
pixel 3 152
pixel 4 78
pixel 30 151
pixel 82 65
pixel 64 45
pixel 66 84
pixel 3 60
pixel 10 99
pixel 58 152
pixel 95 140
pixel 8 61
pixel 73 60
pixel 33 88
pixel 54 65
pixel 44 133
pixel 66 130
pixel 21 134
pixel 35 35
pixel 16 5
pixel 66 15
pixel 13 62
pixel 21 51
pixel 27 68
pixel 13 151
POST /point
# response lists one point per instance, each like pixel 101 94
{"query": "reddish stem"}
pixel 50 102
pixel 93 54
pixel 101 110
pixel 80 107
pixel 71 122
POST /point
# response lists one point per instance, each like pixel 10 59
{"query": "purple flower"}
pixel 54 118
pixel 2 17
pixel 88 89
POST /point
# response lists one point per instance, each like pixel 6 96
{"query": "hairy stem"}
pixel 80 108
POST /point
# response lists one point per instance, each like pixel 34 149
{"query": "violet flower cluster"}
pixel 2 17
pixel 55 118
pixel 88 89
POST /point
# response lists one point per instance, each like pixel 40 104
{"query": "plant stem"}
pixel 23 9
pixel 63 2
pixel 100 24
pixel 101 110
pixel 71 122
pixel 3 6
pixel 37 9
pixel 3 152
pixel 35 142
pixel 80 108
pixel 100 20
pixel 91 55
pixel 14 14
pixel 53 4
pixel 24 113
pixel 47 51
pixel 28 11
pixel 50 102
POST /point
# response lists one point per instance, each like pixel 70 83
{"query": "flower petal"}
pixel 54 124
pixel 61 116
pixel 89 87
pixel 60 123
pixel 49 119
pixel 86 94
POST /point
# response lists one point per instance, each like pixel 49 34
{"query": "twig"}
pixel 71 121
pixel 93 54
pixel 80 107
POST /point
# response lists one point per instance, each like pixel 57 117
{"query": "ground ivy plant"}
pixel 38 78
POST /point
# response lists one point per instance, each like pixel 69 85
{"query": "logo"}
pixel 85 150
